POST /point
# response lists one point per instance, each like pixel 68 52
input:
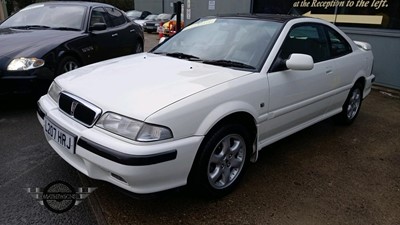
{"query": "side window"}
pixel 99 15
pixel 116 16
pixel 306 39
pixel 338 45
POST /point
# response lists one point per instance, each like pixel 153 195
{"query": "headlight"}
pixel 25 64
pixel 54 91
pixel 144 24
pixel 133 129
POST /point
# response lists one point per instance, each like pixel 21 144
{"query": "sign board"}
pixel 359 13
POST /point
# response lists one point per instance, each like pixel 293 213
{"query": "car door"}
pixel 127 34
pixel 105 42
pixel 346 65
pixel 297 97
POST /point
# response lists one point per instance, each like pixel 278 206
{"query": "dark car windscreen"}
pixel 51 16
pixel 222 40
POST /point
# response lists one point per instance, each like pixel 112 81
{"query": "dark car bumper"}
pixel 150 27
pixel 25 82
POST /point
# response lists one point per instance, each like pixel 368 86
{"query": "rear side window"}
pixel 116 16
pixel 338 45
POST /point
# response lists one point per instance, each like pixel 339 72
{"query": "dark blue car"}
pixel 44 40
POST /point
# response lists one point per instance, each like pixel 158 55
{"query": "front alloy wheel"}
pixel 67 64
pixel 222 159
pixel 226 161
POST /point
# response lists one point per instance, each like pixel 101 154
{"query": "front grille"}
pixel 79 109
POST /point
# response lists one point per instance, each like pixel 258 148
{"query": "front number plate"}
pixel 64 139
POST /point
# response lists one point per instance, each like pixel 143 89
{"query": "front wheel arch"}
pixel 65 57
pixel 239 126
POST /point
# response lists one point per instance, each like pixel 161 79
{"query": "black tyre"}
pixel 222 160
pixel 351 106
pixel 139 47
pixel 67 64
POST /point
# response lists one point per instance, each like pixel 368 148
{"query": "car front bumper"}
pixel 137 167
pixel 23 82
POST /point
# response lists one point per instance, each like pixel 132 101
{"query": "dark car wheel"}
pixel 223 158
pixel 139 47
pixel 351 106
pixel 67 64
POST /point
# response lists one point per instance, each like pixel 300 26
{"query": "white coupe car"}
pixel 198 107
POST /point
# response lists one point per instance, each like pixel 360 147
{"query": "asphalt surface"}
pixel 325 174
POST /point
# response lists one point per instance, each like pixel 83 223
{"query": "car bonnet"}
pixel 25 43
pixel 141 84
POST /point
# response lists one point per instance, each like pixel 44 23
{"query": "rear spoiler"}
pixel 363 45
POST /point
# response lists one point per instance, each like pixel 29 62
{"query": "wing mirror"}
pixel 300 62
pixel 98 27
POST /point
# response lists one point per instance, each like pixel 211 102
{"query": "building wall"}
pixel 196 8
pixel 154 6
pixel 386 49
pixel 201 8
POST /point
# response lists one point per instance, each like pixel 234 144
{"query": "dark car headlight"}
pixel 22 63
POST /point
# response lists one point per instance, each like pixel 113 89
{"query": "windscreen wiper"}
pixel 27 27
pixel 181 55
pixel 228 63
pixel 65 28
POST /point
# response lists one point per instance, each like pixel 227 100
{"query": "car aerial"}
pixel 44 40
pixel 150 17
pixel 153 25
pixel 222 98
pixel 137 15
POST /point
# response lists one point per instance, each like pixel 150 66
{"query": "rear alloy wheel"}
pixel 352 105
pixel 223 158
pixel 139 47
pixel 67 64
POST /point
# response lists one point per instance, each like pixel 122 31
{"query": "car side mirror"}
pixel 300 62
pixel 98 27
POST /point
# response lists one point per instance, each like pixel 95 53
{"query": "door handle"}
pixel 329 70
pixel 132 30
pixel 114 35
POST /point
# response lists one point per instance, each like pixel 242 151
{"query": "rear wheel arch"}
pixel 139 41
pixel 361 81
pixel 351 107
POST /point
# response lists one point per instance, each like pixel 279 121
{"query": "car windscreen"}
pixel 163 16
pixel 217 41
pixel 135 14
pixel 151 17
pixel 50 16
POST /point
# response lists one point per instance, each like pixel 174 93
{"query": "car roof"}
pixel 88 4
pixel 282 18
